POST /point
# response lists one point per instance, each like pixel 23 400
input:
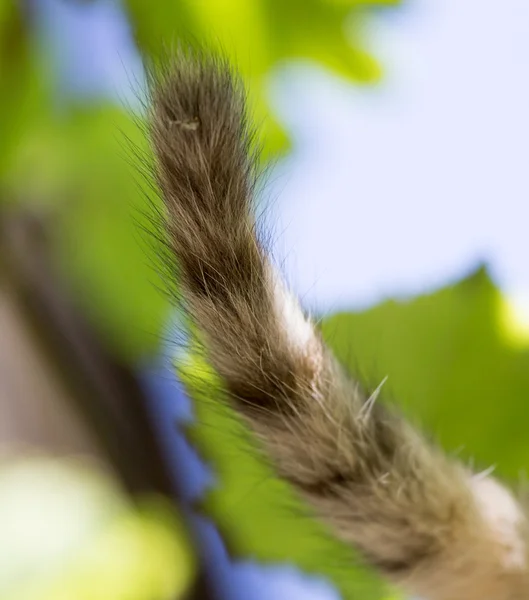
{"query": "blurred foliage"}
pixel 92 544
pixel 260 34
pixel 452 365
pixel 75 160
pixel 21 98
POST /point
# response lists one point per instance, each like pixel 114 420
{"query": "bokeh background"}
pixel 396 134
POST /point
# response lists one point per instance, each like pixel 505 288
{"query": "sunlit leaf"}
pixel 259 35
pixel 451 364
pixel 69 533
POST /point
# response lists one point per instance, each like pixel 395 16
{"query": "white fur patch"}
pixel 297 327
pixel 504 516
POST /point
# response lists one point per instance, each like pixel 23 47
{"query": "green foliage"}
pixel 78 165
pixel 77 168
pixel 261 34
pixel 451 365
pixel 21 88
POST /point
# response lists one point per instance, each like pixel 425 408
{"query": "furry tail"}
pixel 413 513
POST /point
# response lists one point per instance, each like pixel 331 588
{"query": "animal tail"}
pixel 422 519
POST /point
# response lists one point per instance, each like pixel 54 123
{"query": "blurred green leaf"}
pixel 115 269
pixel 316 29
pixel 22 100
pixel 83 168
pixel 75 162
pixel 451 365
pixel 364 3
pixel 157 25
pixel 259 35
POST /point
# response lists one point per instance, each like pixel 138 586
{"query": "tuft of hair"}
pixel 206 167
pixel 421 518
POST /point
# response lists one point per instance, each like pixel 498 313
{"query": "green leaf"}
pixel 22 100
pixel 82 169
pixel 451 366
pixel 156 25
pixel 315 29
pixel 259 35
pixel 74 162
pixel 113 265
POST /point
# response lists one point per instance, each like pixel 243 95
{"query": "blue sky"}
pixel 409 185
